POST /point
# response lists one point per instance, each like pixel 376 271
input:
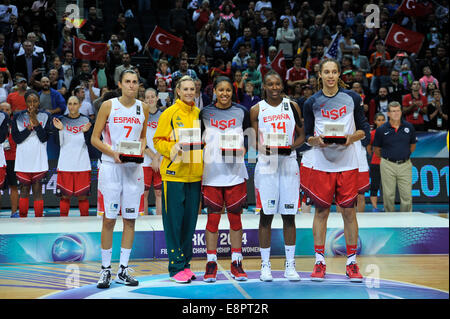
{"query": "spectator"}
pixel 240 60
pixel 179 19
pixel 356 87
pixel 202 15
pixel 220 69
pixel 346 44
pixel 379 104
pixel 379 66
pixel 126 65
pixel 346 17
pixel 93 28
pixel 163 72
pixel 264 40
pixel 433 38
pixel 249 98
pixel 220 34
pixel 16 99
pixel 226 12
pixel 415 107
pixel 182 71
pixel 6 11
pixel 86 108
pixel 246 37
pixel 285 39
pixel 296 74
pixel 361 78
pixel 29 63
pixel 68 69
pixel 437 113
pixel 55 83
pixel 426 79
pixel 288 14
pixel 395 88
pixel 165 97
pixel 394 142
pixel 252 75
pixel 236 24
pixel 201 99
pixel 238 86
pixel 440 66
pixel 406 77
pixel 301 33
pixel 102 76
pixel 361 62
pixel 51 100
pixel 318 31
pixel 224 52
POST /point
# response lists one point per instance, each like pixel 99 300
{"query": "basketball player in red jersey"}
pixel 120 185
pixel 334 166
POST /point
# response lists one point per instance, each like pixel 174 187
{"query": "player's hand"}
pixel 176 152
pixel 57 123
pixel 86 127
pixel 156 161
pixel 117 158
pixel 317 141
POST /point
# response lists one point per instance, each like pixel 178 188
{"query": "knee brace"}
pixel 235 221
pixel 212 225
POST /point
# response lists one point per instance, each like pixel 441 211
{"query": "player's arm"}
pixel 19 136
pixel 309 120
pixel 362 125
pixel 100 124
pixel 299 130
pixel 143 137
pixel 254 111
pixel 43 133
pixel 4 128
pixel 162 139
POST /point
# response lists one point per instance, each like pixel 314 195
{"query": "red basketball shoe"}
pixel 318 273
pixel 352 272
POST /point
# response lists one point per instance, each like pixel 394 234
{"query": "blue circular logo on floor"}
pixel 333 287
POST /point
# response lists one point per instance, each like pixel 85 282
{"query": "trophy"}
pixel 334 133
pixel 230 144
pixel 190 138
pixel 278 143
pixel 130 151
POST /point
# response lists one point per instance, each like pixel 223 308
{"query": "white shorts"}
pixel 277 188
pixel 120 189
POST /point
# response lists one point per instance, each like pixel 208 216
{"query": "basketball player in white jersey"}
pixel 335 166
pixel 74 165
pixel 277 181
pixel 152 159
pixel 4 129
pixel 120 185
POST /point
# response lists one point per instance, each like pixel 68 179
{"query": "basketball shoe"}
pixel 319 270
pixel 211 272
pixel 266 272
pixel 105 278
pixel 289 272
pixel 352 272
pixel 189 273
pixel 124 277
pixel 237 272
pixel 181 278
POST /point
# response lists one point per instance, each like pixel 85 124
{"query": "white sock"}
pixel 106 257
pixel 351 258
pixel 124 256
pixel 290 252
pixel 320 258
pixel 211 257
pixel 265 254
pixel 236 257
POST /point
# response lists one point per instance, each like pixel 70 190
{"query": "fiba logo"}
pixel 337 243
pixel 68 248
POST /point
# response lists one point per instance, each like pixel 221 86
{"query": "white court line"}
pixel 233 282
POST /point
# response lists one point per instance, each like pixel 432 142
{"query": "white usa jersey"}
pixel 123 124
pixel 73 155
pixel 152 123
pixel 276 119
pixel 363 166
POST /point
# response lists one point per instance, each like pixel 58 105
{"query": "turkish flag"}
pixel 279 65
pixel 86 50
pixel 404 39
pixel 415 8
pixel 165 42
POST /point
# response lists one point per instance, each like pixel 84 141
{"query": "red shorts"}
pixel 2 176
pixel 304 177
pixel 152 177
pixel 28 179
pixel 234 197
pixel 342 186
pixel 363 182
pixel 74 183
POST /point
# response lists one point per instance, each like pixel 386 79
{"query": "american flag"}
pixel 332 51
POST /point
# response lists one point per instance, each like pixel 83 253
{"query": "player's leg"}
pixel 83 205
pixel 375 180
pixel 235 200
pixel 24 196
pixel 264 236
pixel 148 177
pixel 157 191
pixel 64 206
pixel 346 197
pixel 214 203
pixel 38 200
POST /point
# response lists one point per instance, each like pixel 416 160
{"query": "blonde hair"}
pixel 178 85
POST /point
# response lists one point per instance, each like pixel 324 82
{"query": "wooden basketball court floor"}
pixel 31 281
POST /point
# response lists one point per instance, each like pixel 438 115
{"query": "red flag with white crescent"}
pixel 404 39
pixel 415 8
pixel 279 65
pixel 165 42
pixel 86 50
pixel 263 63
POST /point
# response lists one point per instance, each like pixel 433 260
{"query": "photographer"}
pixel 378 63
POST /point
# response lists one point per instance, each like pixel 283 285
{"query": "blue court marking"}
pixel 334 286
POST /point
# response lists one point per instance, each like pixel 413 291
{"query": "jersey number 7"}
pixel 129 128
